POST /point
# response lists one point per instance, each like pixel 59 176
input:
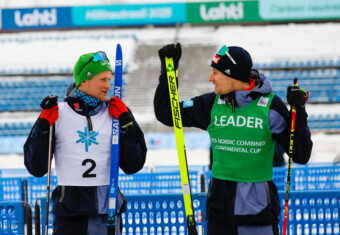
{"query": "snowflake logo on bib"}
pixel 87 137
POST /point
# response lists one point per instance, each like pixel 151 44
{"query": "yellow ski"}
pixel 177 121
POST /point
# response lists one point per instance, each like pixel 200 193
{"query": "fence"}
pixel 157 206
pixel 303 178
pixel 11 189
pixel 310 212
pixel 161 214
pixel 14 217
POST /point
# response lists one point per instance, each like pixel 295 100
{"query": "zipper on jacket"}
pixel 233 104
pixel 89 122
pixel 268 193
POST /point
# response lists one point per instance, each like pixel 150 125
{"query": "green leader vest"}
pixel 242 142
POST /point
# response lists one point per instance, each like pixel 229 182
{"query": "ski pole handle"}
pixel 49 102
pixel 37 217
pixel 291 145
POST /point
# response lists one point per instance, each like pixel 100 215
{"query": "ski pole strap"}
pixel 191 223
pixel 37 217
pixel 177 121
pixel 111 224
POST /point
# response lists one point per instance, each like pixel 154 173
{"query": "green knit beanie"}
pixel 88 66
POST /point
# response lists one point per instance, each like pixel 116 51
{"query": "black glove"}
pixel 171 51
pixel 297 97
pixel 50 112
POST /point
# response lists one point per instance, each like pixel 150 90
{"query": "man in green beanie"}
pixel 86 66
pixel 80 201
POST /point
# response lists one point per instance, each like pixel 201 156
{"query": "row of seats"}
pixel 39 70
pixel 32 92
pixel 323 85
pixel 31 101
pixel 334 63
pixel 320 122
pixel 305 74
pixel 310 213
pixel 56 37
pixel 329 76
pixel 277 78
pixel 298 64
pixel 302 178
pixel 36 83
pixel 313 205
pixel 36 71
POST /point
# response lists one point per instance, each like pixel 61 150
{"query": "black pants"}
pixel 220 209
pixel 221 229
pixel 70 225
pixel 84 225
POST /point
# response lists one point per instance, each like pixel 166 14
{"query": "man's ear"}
pixel 82 85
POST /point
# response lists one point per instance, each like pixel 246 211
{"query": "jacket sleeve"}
pixel 132 152
pixel 196 114
pixel 303 144
pixel 36 151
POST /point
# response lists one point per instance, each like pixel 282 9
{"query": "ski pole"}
pixel 177 121
pixel 27 218
pixel 37 217
pixel 291 143
pixel 46 103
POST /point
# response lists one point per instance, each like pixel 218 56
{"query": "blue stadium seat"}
pixel 312 212
pixel 12 218
pixel 11 189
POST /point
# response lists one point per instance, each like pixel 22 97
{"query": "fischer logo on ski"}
pixel 177 121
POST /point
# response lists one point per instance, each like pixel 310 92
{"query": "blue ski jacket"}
pixel 84 201
pixel 239 203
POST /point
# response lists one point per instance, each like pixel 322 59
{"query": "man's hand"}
pixel 171 50
pixel 118 110
pixel 297 97
pixel 50 112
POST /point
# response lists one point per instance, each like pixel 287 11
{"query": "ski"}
pixel 114 171
pixel 177 121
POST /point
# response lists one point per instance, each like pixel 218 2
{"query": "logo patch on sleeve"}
pixel 188 103
pixel 263 101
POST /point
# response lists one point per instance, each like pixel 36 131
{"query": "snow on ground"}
pixel 55 49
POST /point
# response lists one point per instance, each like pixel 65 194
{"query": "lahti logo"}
pixel 222 12
pixel 36 18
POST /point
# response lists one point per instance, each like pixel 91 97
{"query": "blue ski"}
pixel 114 172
